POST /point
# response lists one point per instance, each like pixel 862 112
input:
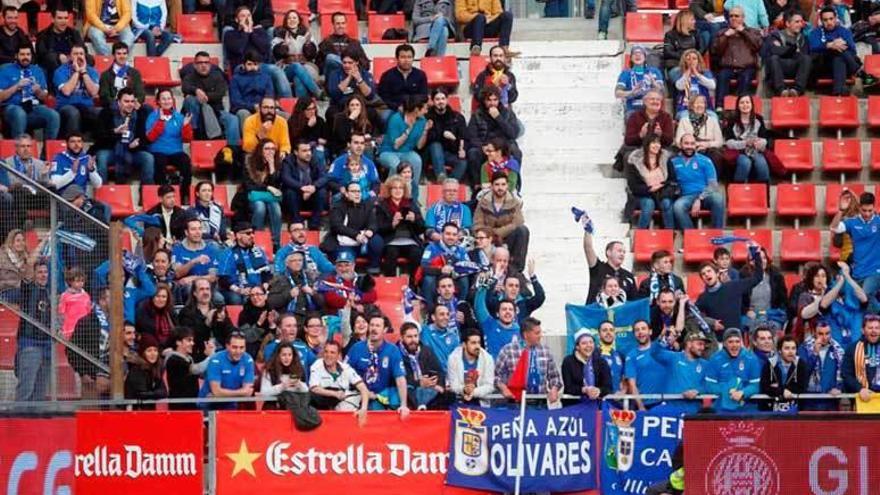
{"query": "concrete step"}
pixel 602 109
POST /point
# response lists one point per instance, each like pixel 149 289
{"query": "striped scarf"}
pixel 866 355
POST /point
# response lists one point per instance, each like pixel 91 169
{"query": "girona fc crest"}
pixel 471 443
pixel 741 468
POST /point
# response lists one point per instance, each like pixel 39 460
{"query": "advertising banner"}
pixel 637 447
pixel 558 449
pixel 817 455
pixel 139 452
pixel 579 317
pixel 387 455
pixel 36 455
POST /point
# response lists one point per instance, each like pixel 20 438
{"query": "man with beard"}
pixel 497 73
pixel 304 185
pixel 862 359
pixel 733 374
pixel 380 364
pixel 439 258
pixel 248 87
pixel 315 261
pixel 230 373
pixel 244 266
pixel 425 371
pixel 661 276
pixel 74 167
pixel 55 42
pixel 643 373
pixel 608 351
pixel 723 301
pixel 686 367
pixel 526 365
pixel 265 125
pixel 498 330
pixel 615 253
pixel 122 141
pixel 665 320
pixel 824 357
pixel 446 145
pixel 349 287
pixel 470 370
pixel 699 186
pixel 501 211
pixel 23 95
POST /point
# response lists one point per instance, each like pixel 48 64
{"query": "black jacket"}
pixel 179 217
pixel 181 382
pixel 190 316
pixel 772 383
pixel 48 44
pixel 674 45
pixel 405 229
pixel 9 45
pixel 429 365
pixel 393 88
pixel 86 336
pixel 573 375
pixel 483 127
pixel 451 121
pixel 140 384
pixel 237 43
pixel 480 83
pixel 290 177
pixel 214 84
pixel 349 219
pixel 261 10
pixel 109 119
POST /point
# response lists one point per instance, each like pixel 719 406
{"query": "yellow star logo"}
pixel 244 460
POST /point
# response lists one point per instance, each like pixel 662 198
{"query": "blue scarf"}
pixel 27 91
pixel 413 361
pixel 535 378
pixel 589 376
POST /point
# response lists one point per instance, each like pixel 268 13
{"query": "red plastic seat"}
pixel 381 65
pixel 66 383
pixel 286 105
pixel 874 111
pixel 796 200
pixel 184 61
pixel 327 7
pixel 790 113
pixel 118 198
pixel 872 65
pixel 7 148
pixel 53 147
pixel 455 103
pixel 800 245
pixel 747 200
pixel 647 241
pixel 263 238
pixel 282 6
pixel 440 71
pixel 795 154
pixel 391 288
pixel 791 279
pixel 203 153
pixel 764 237
pixel 875 154
pixel 695 286
pixel 156 72
pixel 8 322
pixel 833 191
pixel 233 311
pixel 435 193
pixel 838 112
pixel 102 63
pixel 841 155
pixel 644 27
pixel 730 103
pixel 652 5
pixel 150 195
pixel 476 65
pixel 377 24
pixel 351 24
pixel 8 344
pixel 698 246
pixel 197 27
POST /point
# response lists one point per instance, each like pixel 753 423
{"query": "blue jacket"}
pixel 338 97
pixel 248 88
pixel 236 43
pixel 442 341
pixel 825 374
pixel 10 74
pixel 244 267
pixel 63 176
pixel 819 36
pixel 725 373
pixel 340 176
pixel 441 213
pixel 171 139
pixel 495 334
pixel 393 88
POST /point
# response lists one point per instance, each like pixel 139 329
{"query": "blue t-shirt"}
pixel 685 374
pixel 181 255
pixel 694 173
pixel 79 96
pixel 380 369
pixel 649 374
pixel 10 74
pixel 442 342
pixel 396 127
pixel 866 245
pixel 231 376
pixel 641 81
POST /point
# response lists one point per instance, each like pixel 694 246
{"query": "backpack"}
pixel 305 416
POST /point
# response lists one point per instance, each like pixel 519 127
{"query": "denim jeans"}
pixel 647 205
pixel 478 28
pixel 302 80
pixel 556 8
pixel 32 367
pixel 140 160
pixel 279 80
pixel 441 157
pixel 72 116
pixel 391 160
pixel 871 285
pixel 153 50
pixel 840 65
pixel 19 121
pixel 332 62
pixel 605 9
pixel 295 205
pixel 743 77
pixel 271 209
pixel 754 166
pixel 230 123
pixel 100 44
pixel 189 6
pixel 438 36
pixel 682 210
pixel 707 30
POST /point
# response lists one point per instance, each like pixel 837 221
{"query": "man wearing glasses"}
pixel 448 209
pixel 204 87
pixel 244 266
pixel 266 125
pixel 315 259
pixel 737 47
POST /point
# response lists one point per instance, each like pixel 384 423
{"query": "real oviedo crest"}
pixel 741 467
pixel 471 443
pixel 626 438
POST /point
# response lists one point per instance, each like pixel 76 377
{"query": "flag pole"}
pixel 519 445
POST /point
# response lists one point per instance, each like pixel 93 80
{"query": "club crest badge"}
pixel 742 467
pixel 471 443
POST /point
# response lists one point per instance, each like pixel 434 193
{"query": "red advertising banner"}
pixel 819 455
pixel 139 453
pixel 386 456
pixel 36 455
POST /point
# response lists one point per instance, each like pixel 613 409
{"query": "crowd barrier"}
pixel 620 451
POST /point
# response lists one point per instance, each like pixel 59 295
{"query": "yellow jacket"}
pixel 93 15
pixel 278 134
pixel 466 10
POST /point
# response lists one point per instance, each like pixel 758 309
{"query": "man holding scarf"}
pixel 448 210
pixel 23 95
pixel 584 372
pixel 345 286
pixel 661 276
pixel 861 360
pixel 526 365
pixel 824 357
pixel 244 266
pixel 122 139
pixel 439 258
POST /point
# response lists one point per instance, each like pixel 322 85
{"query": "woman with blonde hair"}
pixel 693 79
pixel 399 221
pixel 703 123
pixel 682 37
pixel 16 262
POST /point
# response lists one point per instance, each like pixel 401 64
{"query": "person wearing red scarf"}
pixel 167 130
pixel 400 223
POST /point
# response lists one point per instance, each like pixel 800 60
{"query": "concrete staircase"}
pixel 574 126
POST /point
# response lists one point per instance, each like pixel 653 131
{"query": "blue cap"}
pixel 345 256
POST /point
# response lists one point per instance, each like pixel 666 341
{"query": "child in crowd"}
pixel 75 302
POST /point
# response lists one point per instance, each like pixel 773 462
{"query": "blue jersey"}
pixel 649 374
pixel 379 369
pixel 694 173
pixel 685 373
pixel 79 96
pixel 496 334
pixel 181 255
pixel 724 373
pixel 10 74
pixel 615 362
pixel 639 80
pixel 441 213
pixel 441 341
pixel 245 267
pixel 866 245
pixel 230 375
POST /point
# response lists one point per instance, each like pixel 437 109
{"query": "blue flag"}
pixel 580 317
pixel 637 447
pixel 559 448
